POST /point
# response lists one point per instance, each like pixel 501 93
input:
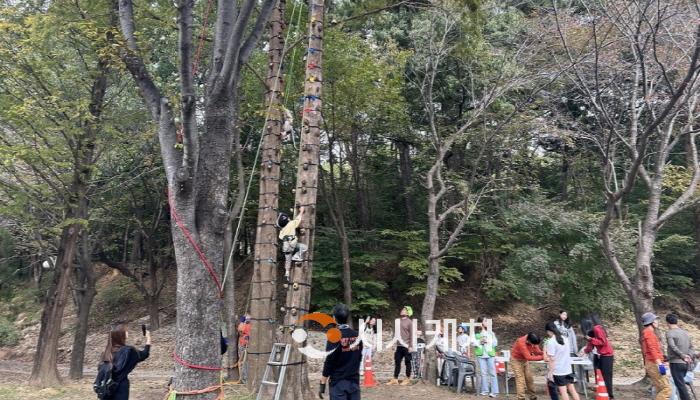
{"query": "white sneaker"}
pixel 493 395
pixel 484 394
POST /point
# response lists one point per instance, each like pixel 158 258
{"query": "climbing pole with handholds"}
pixel 263 305
pixel 299 286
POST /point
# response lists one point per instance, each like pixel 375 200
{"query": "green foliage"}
pixel 556 259
pixel 675 263
pixel 9 335
pixel 412 252
pixel 369 295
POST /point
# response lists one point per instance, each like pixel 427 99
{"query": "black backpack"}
pixel 104 385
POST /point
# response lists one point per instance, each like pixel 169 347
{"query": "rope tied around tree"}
pixel 193 243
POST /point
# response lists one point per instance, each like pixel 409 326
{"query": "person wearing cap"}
pixel 680 350
pixel 342 364
pixel 463 339
pixel 654 357
pixel 526 348
pixel 404 350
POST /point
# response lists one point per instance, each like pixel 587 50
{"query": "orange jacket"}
pixel 651 348
pixel 524 351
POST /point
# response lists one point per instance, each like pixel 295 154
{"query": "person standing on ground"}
pixel 559 356
pixel 368 340
pixel 525 349
pixel 485 343
pixel 566 330
pixel 342 364
pixel 551 387
pixel 404 350
pixel 680 351
pixel 597 339
pixel 653 357
pixel 123 359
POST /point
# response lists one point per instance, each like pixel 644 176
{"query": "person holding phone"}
pixel 124 358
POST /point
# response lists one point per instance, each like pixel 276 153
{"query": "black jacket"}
pixel 124 361
pixel 344 362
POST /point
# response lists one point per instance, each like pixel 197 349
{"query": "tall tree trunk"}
pixel 336 210
pixel 44 371
pixel 406 178
pixel 299 297
pixel 360 192
pixel 153 302
pixel 85 286
pixel 263 300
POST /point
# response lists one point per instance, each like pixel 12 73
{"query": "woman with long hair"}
pixel 559 363
pixel 123 359
pixel 484 344
pixel 566 330
pixel 597 339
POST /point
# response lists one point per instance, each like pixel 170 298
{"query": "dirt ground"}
pixel 151 385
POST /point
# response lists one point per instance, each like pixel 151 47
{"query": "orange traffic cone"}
pixel 369 374
pixel 601 392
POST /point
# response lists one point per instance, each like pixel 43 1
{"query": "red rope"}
pixel 196 247
pixel 194 366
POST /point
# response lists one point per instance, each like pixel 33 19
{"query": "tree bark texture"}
pixel 198 173
pixel 85 288
pixel 299 296
pixel 263 300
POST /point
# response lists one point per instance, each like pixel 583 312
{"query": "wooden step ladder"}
pixel 279 356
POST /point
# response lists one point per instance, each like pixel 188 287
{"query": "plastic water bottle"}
pixel 662 369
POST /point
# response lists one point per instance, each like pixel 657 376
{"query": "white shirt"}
pixel 560 354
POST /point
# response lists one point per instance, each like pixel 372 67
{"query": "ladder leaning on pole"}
pixel 279 356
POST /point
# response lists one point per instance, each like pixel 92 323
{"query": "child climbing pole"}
pixel 299 288
pixel 291 248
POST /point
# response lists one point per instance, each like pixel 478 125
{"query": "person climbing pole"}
pixel 404 350
pixel 292 249
pixel 342 364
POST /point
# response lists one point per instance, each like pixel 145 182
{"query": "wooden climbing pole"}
pixel 299 287
pixel 263 298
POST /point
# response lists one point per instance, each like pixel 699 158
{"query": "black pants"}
pixel 345 390
pixel 605 364
pixel 553 390
pixel 402 353
pixel 678 372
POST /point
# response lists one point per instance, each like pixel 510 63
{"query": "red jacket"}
pixel 651 348
pixel 600 341
pixel 524 351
